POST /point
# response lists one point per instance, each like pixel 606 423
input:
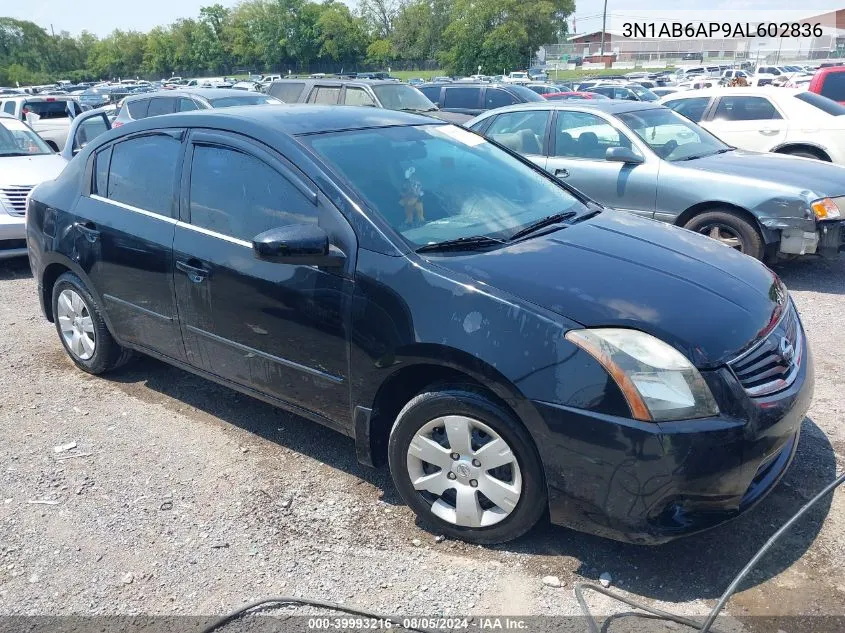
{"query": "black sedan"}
pixel 508 345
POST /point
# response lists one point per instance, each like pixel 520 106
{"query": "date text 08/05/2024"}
pixel 721 29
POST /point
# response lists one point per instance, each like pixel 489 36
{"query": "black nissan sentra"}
pixel 506 344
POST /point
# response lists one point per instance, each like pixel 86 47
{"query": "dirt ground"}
pixel 183 497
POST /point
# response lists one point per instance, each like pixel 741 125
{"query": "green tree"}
pixel 380 52
pixel 342 36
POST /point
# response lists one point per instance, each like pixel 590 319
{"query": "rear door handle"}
pixel 88 231
pixel 768 132
pixel 562 173
pixel 195 273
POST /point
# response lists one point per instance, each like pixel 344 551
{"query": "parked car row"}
pixel 508 344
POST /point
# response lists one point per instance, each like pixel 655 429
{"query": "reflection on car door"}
pixel 579 142
pixel 123 237
pixel 748 122
pixel 280 329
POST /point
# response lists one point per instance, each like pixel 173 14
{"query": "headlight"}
pixel 658 382
pixel 825 209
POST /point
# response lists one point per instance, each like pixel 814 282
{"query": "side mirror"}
pixel 622 155
pixel 304 244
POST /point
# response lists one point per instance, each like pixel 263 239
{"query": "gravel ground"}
pixel 183 497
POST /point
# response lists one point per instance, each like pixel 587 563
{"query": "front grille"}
pixel 15 199
pixel 773 364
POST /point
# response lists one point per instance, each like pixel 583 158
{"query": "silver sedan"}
pixel 646 159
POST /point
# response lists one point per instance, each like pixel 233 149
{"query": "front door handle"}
pixel 561 173
pixel 768 132
pixel 88 231
pixel 195 273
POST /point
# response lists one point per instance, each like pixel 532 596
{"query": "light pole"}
pixel 603 27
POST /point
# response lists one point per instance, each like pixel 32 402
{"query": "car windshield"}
pixel 672 136
pixel 18 139
pixel 402 97
pixel 435 183
pixel 241 100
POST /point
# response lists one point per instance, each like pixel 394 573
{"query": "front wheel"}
pixel 466 466
pixel 729 228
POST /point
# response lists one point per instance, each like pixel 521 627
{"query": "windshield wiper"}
pixel 543 223
pixel 18 154
pixel 461 243
pixel 695 156
pixel 418 109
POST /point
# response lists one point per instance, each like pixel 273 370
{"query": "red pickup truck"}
pixel 829 82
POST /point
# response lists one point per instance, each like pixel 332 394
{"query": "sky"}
pixel 101 18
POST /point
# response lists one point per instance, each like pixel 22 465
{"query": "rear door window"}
pixel 736 108
pixel 138 109
pixel 462 98
pixel 693 108
pixel 186 105
pixel 325 95
pixel 143 172
pixel 497 98
pixel 287 91
pixel 161 106
pixel 357 97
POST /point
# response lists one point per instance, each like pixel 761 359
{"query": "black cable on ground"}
pixel 649 612
pixel 707 625
pixel 313 602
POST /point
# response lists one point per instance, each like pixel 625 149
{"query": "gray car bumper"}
pixel 12 236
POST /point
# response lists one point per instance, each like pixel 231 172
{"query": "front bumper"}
pixel 12 235
pixel 648 483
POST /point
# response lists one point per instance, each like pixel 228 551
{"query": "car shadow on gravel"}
pixel 701 566
pixel 15 268
pixel 148 379
pixel 814 274
pixel 696 567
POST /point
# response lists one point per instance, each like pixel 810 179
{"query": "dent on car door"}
pixel 122 234
pixel 577 155
pixel 278 328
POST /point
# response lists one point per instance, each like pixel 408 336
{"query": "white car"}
pixel 782 120
pixel 49 115
pixel 517 77
pixel 25 161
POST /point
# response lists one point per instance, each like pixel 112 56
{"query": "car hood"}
pixel 29 170
pixel 820 177
pixel 616 269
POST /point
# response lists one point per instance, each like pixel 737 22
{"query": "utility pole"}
pixel 603 27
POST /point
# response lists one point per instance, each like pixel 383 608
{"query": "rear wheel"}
pixel 466 466
pixel 81 328
pixel 729 228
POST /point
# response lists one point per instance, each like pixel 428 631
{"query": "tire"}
pixel 91 346
pixel 733 229
pixel 519 485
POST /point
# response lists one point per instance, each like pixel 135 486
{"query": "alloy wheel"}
pixel 76 324
pixel 465 470
pixel 724 234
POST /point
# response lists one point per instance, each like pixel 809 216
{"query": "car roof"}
pixel 745 91
pixel 329 81
pixel 284 119
pixel 471 84
pixel 205 93
pixel 609 106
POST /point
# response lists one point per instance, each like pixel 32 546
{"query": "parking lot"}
pixel 183 497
